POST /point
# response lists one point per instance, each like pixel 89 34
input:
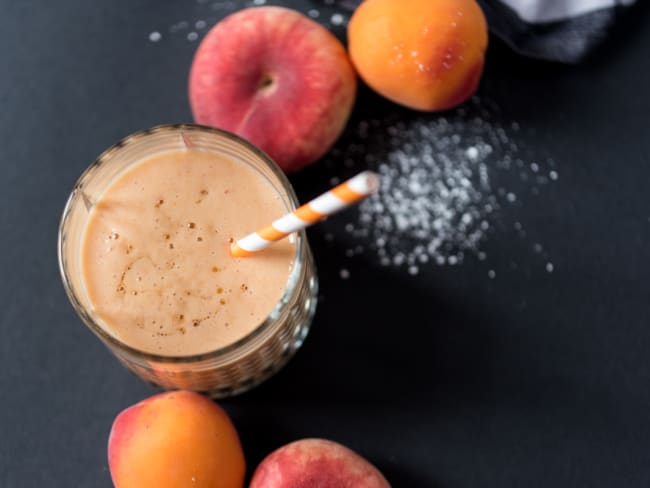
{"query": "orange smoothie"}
pixel 155 253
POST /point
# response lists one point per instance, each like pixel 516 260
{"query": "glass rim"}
pixel 222 352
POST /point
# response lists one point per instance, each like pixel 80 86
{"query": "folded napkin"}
pixel 556 30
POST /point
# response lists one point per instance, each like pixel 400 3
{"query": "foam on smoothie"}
pixel 155 253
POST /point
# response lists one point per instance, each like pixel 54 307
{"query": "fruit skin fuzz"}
pixel 424 54
pixel 276 78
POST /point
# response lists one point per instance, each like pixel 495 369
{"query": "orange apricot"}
pixel 173 439
pixel 423 54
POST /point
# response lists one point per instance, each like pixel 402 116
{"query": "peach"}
pixel 276 78
pixel 424 54
pixel 173 439
pixel 309 463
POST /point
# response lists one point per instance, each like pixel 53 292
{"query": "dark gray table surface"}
pixel 446 379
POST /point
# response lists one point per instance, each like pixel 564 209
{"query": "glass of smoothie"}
pixel 144 257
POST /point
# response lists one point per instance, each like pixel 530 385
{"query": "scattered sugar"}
pixel 337 19
pixel 334 14
pixel 430 195
pixel 437 200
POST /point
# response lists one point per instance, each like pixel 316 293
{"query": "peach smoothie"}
pixel 155 253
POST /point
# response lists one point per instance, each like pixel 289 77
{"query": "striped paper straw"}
pixel 338 198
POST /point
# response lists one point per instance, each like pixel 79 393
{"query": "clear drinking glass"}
pixel 225 371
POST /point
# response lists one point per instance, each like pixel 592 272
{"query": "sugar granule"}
pixel 337 19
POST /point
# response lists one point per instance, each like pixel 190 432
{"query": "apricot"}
pixel 424 54
pixel 174 439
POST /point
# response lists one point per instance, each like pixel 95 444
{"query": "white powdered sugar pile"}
pixel 434 197
pixel 443 180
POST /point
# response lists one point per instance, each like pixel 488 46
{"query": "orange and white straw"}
pixel 338 198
